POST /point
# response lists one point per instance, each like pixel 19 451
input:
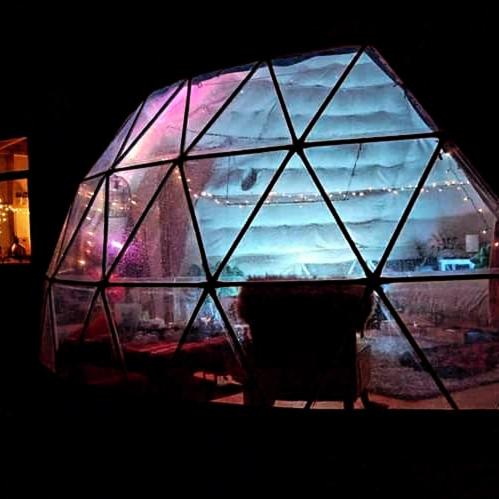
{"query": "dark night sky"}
pixel 68 79
pixel 73 81
pixel 90 71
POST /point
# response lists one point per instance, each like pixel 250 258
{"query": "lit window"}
pixel 15 241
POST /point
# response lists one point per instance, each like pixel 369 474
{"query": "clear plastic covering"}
pixel 216 258
pixel 451 226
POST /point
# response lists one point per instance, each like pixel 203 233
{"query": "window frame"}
pixel 12 175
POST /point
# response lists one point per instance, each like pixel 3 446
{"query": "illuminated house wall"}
pixel 321 166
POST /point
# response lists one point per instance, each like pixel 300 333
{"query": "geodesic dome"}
pixel 318 168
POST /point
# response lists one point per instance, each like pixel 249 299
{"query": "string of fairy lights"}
pixel 453 182
pixel 121 205
pixel 5 210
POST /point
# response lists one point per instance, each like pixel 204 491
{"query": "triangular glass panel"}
pixel 208 94
pixel 161 141
pixel 83 197
pixel 164 249
pixel 83 259
pixel 58 248
pixel 305 81
pixel 369 103
pixel 394 370
pixel 47 342
pixel 206 368
pixel 148 112
pixel 224 191
pixel 88 355
pixel 71 306
pixel 370 185
pixel 253 117
pixel 293 235
pixel 456 323
pixel 452 227
pixel 129 193
pixel 150 323
pixel 110 155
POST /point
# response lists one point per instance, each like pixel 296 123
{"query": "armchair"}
pixel 305 344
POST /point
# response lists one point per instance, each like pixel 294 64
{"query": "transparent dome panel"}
pixel 224 191
pixel 294 234
pixel 150 323
pixel 164 247
pixel 110 155
pixel 370 185
pixel 84 195
pixel 88 353
pixel 83 258
pixel 369 103
pixel 456 325
pixel 208 95
pixel 207 366
pixel 129 194
pixel 253 119
pixel 161 140
pixel 153 106
pixel 451 227
pixel 396 378
pixel 47 341
pixel 305 81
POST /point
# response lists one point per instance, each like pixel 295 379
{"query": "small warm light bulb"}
pixel 496 244
pixel 81 262
pixel 465 198
pixel 484 231
pixel 480 210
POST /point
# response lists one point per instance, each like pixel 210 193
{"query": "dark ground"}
pixel 68 84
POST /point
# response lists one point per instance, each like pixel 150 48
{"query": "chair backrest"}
pixel 304 323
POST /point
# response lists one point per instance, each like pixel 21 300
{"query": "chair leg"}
pixel 369 404
pixel 348 404
pixel 364 396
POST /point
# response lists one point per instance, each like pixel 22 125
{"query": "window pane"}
pixel 15 242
